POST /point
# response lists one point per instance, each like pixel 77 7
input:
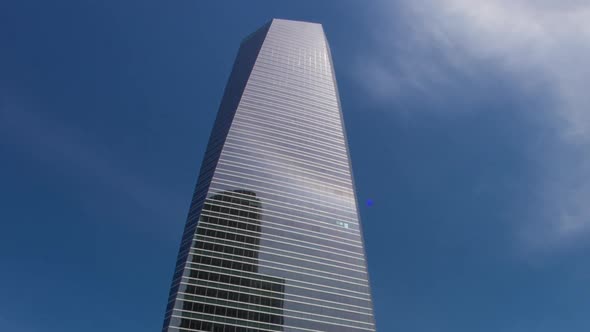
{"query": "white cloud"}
pixel 543 46
pixel 534 40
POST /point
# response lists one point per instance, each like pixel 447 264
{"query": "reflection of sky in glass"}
pixel 286 145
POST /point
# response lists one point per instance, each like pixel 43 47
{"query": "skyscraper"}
pixel 272 240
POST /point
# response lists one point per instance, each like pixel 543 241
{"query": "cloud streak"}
pixel 52 143
pixel 429 48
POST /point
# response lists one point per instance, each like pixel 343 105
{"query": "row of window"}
pixel 215 206
pixel 293 183
pixel 325 123
pixel 325 230
pixel 326 104
pixel 248 299
pixel 298 307
pixel 308 124
pixel 278 163
pixel 295 263
pixel 315 224
pixel 305 153
pixel 272 246
pixel 292 308
pixel 312 79
pixel 280 255
pixel 282 207
pixel 323 288
pixel 241 197
pixel 235 280
pixel 214 327
pixel 226 249
pixel 233 312
pixel 205 260
pixel 230 236
pixel 281 136
pixel 317 85
pixel 215 254
pixel 286 236
pixel 286 189
pixel 231 222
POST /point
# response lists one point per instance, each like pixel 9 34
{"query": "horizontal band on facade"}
pixel 287 103
pixel 278 198
pixel 221 185
pixel 254 153
pixel 261 88
pixel 347 199
pixel 241 181
pixel 338 161
pixel 283 117
pixel 286 300
pixel 272 135
pixel 319 246
pixel 267 222
pixel 294 282
pixel 261 85
pixel 317 319
pixel 336 239
pixel 361 271
pixel 360 285
pixel 265 249
pixel 257 322
pixel 304 174
pixel 281 296
pixel 268 66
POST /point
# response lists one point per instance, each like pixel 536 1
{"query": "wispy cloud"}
pixel 70 152
pixel 543 47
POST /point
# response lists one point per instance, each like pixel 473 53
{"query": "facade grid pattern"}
pixel 273 239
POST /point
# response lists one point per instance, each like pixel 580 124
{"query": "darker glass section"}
pixel 226 292
pixel 234 89
pixel 233 216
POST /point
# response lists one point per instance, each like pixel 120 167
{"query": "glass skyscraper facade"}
pixel 273 239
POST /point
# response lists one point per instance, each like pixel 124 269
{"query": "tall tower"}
pixel 273 239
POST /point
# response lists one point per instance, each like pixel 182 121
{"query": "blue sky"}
pixel 468 125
